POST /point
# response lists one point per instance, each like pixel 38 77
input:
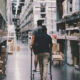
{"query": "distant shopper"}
pixel 44 47
pixel 34 33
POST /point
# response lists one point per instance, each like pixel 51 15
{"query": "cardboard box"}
pixel 3 49
pixel 11 47
pixel 18 47
pixel 76 6
pixel 5 33
pixel 54 48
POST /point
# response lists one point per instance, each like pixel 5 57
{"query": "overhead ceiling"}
pixel 16 6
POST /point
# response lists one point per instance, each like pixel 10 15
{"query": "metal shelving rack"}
pixel 3 39
pixel 72 18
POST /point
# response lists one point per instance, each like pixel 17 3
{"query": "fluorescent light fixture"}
pixel 17 6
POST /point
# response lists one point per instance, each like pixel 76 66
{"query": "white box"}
pixel 65 8
pixel 75 6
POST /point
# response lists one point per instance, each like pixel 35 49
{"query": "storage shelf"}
pixel 72 38
pixel 74 28
pixel 69 18
pixel 61 36
pixel 2 39
pixel 68 27
pixel 68 37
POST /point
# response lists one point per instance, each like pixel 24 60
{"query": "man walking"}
pixel 34 33
pixel 44 47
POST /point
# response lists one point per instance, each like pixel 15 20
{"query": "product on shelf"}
pixel 69 7
pixel 67 26
pixel 5 33
pixel 65 8
pixel 2 61
pixel 3 49
pixel 54 48
pixel 76 6
pixel 18 47
pixel 11 47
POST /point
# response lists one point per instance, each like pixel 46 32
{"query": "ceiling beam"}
pixel 16 2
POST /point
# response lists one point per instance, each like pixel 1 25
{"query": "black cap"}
pixel 39 22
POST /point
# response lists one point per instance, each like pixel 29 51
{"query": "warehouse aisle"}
pixel 18 66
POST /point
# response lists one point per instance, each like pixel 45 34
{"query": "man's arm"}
pixel 33 38
pixel 32 41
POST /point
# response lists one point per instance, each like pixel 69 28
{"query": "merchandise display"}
pixel 3 61
pixel 3 39
pixel 71 31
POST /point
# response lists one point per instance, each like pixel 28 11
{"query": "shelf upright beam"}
pixel 65 50
pixel 79 46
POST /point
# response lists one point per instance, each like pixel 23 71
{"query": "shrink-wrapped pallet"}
pixel 5 33
pixel 76 6
pixel 69 8
pixel 65 8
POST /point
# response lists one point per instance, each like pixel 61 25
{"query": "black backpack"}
pixel 41 43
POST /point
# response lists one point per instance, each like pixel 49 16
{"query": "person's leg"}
pixel 36 61
pixel 45 65
pixel 40 58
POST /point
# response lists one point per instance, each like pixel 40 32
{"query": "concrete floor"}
pixel 18 67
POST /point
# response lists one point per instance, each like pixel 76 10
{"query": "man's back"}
pixel 37 30
pixel 43 42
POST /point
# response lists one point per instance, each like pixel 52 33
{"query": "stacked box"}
pixel 11 47
pixel 69 8
pixel 65 8
pixel 5 33
pixel 18 47
pixel 2 62
pixel 3 49
pixel 76 6
pixel 54 48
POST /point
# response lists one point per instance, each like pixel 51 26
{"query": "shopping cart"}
pixel 50 67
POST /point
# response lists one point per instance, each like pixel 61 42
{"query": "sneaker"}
pixel 34 70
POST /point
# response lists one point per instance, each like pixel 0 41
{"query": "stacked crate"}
pixel 3 38
pixel 3 62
